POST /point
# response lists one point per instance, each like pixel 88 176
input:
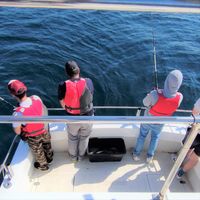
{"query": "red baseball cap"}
pixel 16 87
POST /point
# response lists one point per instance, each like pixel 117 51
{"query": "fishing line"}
pixel 8 103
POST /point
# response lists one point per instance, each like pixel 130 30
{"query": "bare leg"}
pixel 187 157
pixel 191 162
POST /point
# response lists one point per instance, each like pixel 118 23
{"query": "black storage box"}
pixel 106 149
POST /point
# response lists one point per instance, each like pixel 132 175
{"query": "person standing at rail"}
pixel 161 102
pixel 76 97
pixel 37 137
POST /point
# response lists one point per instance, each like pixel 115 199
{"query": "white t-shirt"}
pixel 26 103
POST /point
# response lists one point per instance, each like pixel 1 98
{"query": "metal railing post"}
pixel 192 134
pixel 3 166
pixel 138 113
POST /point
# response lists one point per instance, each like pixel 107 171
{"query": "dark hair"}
pixel 20 96
pixel 72 68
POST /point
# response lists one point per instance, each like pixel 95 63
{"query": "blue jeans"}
pixel 155 130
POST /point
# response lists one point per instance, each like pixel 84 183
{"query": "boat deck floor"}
pixel 124 176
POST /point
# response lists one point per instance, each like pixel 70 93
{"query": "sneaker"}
pixel 49 157
pixel 149 159
pixel 40 167
pixel 73 158
pixel 80 158
pixel 135 158
pixel 180 173
pixel 49 160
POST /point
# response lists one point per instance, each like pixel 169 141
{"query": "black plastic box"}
pixel 106 149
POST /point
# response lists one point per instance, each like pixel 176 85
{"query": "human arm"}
pixel 90 85
pixel 17 126
pixel 61 93
pixel 62 104
pixel 196 108
pixel 180 100
pixel 151 98
pixel 17 130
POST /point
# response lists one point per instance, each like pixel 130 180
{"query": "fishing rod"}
pixel 8 103
pixel 155 63
pixel 154 57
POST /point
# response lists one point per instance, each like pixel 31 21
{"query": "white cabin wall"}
pixel 170 139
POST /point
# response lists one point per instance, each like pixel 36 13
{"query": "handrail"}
pixel 3 165
pixel 101 6
pixel 9 151
pixel 100 119
pixel 121 107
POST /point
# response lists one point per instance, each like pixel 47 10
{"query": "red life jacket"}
pixel 74 90
pixel 165 106
pixel 35 109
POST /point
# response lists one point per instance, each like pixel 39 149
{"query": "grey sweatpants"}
pixel 78 137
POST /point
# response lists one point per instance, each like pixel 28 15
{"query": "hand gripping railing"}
pixel 125 120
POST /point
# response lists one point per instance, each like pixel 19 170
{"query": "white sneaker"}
pixel 149 159
pixel 135 158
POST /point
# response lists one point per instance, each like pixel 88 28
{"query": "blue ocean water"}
pixel 114 49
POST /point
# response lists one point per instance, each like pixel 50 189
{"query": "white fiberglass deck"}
pixel 124 176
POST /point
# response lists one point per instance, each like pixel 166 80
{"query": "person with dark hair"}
pixel 193 155
pixel 76 97
pixel 35 134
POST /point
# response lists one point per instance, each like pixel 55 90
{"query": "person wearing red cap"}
pixel 76 97
pixel 35 134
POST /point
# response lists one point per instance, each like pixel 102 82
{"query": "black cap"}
pixel 72 68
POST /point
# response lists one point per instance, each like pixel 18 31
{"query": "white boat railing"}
pixel 138 109
pixel 4 168
pixel 110 6
pixel 195 121
pixel 123 107
pixel 4 119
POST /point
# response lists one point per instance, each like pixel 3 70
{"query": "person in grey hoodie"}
pixel 160 102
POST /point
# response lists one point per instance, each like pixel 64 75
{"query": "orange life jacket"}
pixel 33 110
pixel 74 91
pixel 165 106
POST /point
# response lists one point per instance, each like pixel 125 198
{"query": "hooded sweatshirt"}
pixel 171 87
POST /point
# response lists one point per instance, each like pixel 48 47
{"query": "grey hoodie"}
pixel 171 86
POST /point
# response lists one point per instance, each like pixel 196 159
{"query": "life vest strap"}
pixel 70 108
